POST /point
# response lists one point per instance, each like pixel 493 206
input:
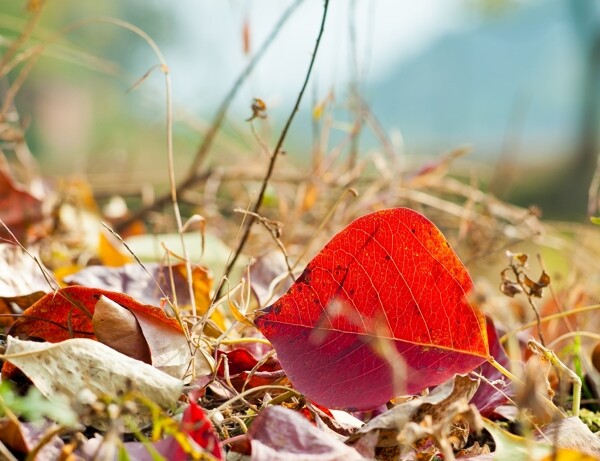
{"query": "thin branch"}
pixel 22 38
pixel 261 195
pixel 194 176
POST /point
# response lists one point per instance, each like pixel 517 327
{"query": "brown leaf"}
pixel 117 327
pixel 535 288
pixel 170 350
pixel 434 405
pixel 24 437
pixel 532 393
pixel 510 288
pixel 448 433
pixel 596 356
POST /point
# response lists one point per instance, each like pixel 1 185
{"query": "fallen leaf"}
pixel 196 433
pixel 434 406
pixel 18 208
pixel 448 434
pixel 109 250
pixel 20 275
pixel 68 313
pixel 385 289
pixel 510 447
pixel 240 360
pixel 264 275
pixel 148 289
pixel 75 365
pixel 279 434
pixel 170 350
pixel 535 391
pixel 244 371
pixel 118 328
pixel 199 428
pixel 24 437
pixel 21 281
pixel 571 433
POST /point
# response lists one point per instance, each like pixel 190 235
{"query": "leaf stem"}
pixel 553 409
pixel 498 366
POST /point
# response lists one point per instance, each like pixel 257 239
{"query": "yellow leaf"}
pixel 108 250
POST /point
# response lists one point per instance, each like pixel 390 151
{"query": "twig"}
pixel 354 89
pixel 46 439
pixel 241 395
pixel 552 409
pixel 274 228
pixel 22 38
pixel 555 361
pixel 559 315
pixel 574 334
pixel 261 195
pixel 194 176
pixel 5 452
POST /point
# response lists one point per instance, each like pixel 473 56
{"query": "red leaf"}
pixel 240 363
pixel 389 279
pixel 198 428
pixel 240 360
pixel 18 208
pixel 67 313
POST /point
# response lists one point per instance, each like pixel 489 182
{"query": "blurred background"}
pixel 516 80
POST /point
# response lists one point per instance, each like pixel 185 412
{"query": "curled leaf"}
pixel 117 327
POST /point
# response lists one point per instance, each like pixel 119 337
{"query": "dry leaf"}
pixel 75 365
pixel 117 327
pixel 435 405
pixel 572 433
pixel 171 351
pixel 510 447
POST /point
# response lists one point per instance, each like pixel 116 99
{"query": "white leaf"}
pixel 74 365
